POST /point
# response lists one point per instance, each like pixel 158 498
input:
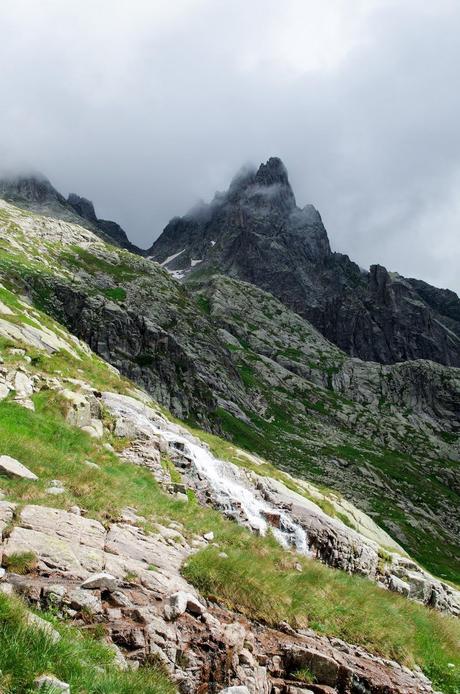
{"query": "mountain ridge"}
pixel 35 192
pixel 256 232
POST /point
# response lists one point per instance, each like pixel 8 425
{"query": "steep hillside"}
pixel 232 359
pixel 118 534
pixel 255 232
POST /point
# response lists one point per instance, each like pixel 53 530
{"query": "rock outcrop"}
pixel 262 504
pixel 157 614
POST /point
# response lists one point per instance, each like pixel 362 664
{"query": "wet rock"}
pixel 273 518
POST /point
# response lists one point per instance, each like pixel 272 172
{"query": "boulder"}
pixel 102 580
pixel 95 429
pixel 95 466
pixel 83 600
pixel 23 385
pixel 44 626
pixel 235 690
pixel 51 685
pixel 13 468
pixel 54 593
pixel 79 412
pixel 6 515
pixel 181 602
pixel 398 585
pixel 55 490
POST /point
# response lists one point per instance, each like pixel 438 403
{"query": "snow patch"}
pixel 195 262
pixel 171 257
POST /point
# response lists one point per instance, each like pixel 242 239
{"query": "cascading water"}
pixel 229 485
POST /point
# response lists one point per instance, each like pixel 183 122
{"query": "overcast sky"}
pixel 145 106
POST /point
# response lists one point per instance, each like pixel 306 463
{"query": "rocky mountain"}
pixel 235 361
pixel 136 555
pixel 331 504
pixel 255 232
pixel 36 193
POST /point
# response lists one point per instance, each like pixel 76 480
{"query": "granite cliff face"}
pixel 255 232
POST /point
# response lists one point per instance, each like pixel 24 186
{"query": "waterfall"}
pixel 229 485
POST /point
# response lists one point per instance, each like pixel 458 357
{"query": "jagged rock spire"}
pixel 273 171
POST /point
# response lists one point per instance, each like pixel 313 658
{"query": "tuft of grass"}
pixel 21 563
pixel 305 675
pixel 77 658
pixel 169 467
pixel 115 293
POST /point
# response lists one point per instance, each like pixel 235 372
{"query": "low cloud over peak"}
pixel 148 110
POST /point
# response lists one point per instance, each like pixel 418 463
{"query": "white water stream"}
pixel 231 488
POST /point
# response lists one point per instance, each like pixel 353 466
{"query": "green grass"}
pixel 115 293
pixel 20 563
pixel 83 259
pixel 87 665
pixel 304 675
pixel 204 304
pixel 258 580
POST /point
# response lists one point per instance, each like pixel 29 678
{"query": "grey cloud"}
pixel 145 111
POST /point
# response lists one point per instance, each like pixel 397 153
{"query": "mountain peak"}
pixel 32 187
pixel 82 207
pixel 273 171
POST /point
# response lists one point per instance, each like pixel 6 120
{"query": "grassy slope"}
pixel 258 578
pixel 304 442
pixel 301 439
pixel 80 660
